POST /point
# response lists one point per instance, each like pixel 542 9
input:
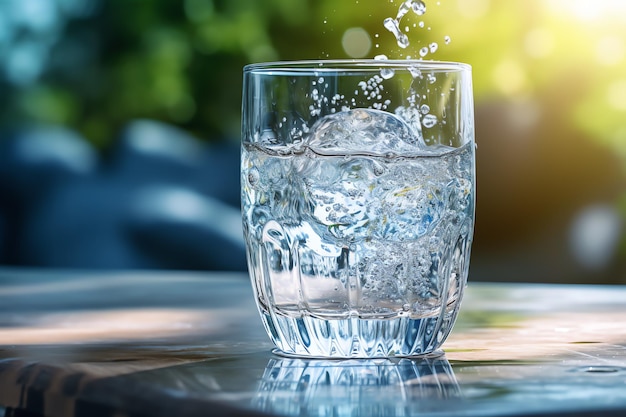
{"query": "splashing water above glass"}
pixel 393 25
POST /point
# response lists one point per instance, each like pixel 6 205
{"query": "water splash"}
pixel 393 25
pixel 415 71
pixel 419 7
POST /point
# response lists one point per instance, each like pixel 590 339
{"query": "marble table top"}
pixel 192 344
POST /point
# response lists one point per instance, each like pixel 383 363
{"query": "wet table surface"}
pixel 192 344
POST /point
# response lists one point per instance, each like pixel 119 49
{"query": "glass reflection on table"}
pixel 373 387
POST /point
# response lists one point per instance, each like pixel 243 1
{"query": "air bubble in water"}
pixel 380 57
pixel 378 169
pixel 433 47
pixel 253 177
pixel 447 40
pixel 429 121
pixel 425 109
pixel 423 52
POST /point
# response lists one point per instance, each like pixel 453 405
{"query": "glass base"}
pixel 310 337
pixel 438 353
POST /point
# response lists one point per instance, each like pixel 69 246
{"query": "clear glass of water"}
pixel 358 195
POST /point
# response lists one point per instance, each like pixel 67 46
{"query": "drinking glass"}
pixel 358 195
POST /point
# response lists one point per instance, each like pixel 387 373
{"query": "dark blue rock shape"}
pixel 151 150
pixel 34 159
pixel 162 200
pixel 34 163
pixel 82 225
pixel 218 176
pixel 186 229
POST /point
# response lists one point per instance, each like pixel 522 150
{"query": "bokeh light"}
pixel 356 42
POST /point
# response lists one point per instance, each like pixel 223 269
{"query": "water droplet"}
pixel 433 47
pixel 447 40
pixel 429 121
pixel 387 73
pixel 403 41
pixel 423 52
pixel 419 8
pixel 392 26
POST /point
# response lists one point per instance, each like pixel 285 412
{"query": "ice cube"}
pixel 365 132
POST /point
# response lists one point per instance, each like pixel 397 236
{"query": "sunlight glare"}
pixel 473 9
pixel 616 95
pixel 610 51
pixel 589 10
pixel 539 43
pixel 509 77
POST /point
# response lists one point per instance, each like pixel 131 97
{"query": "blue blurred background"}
pixel 120 120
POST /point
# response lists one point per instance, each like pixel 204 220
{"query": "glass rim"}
pixel 316 66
